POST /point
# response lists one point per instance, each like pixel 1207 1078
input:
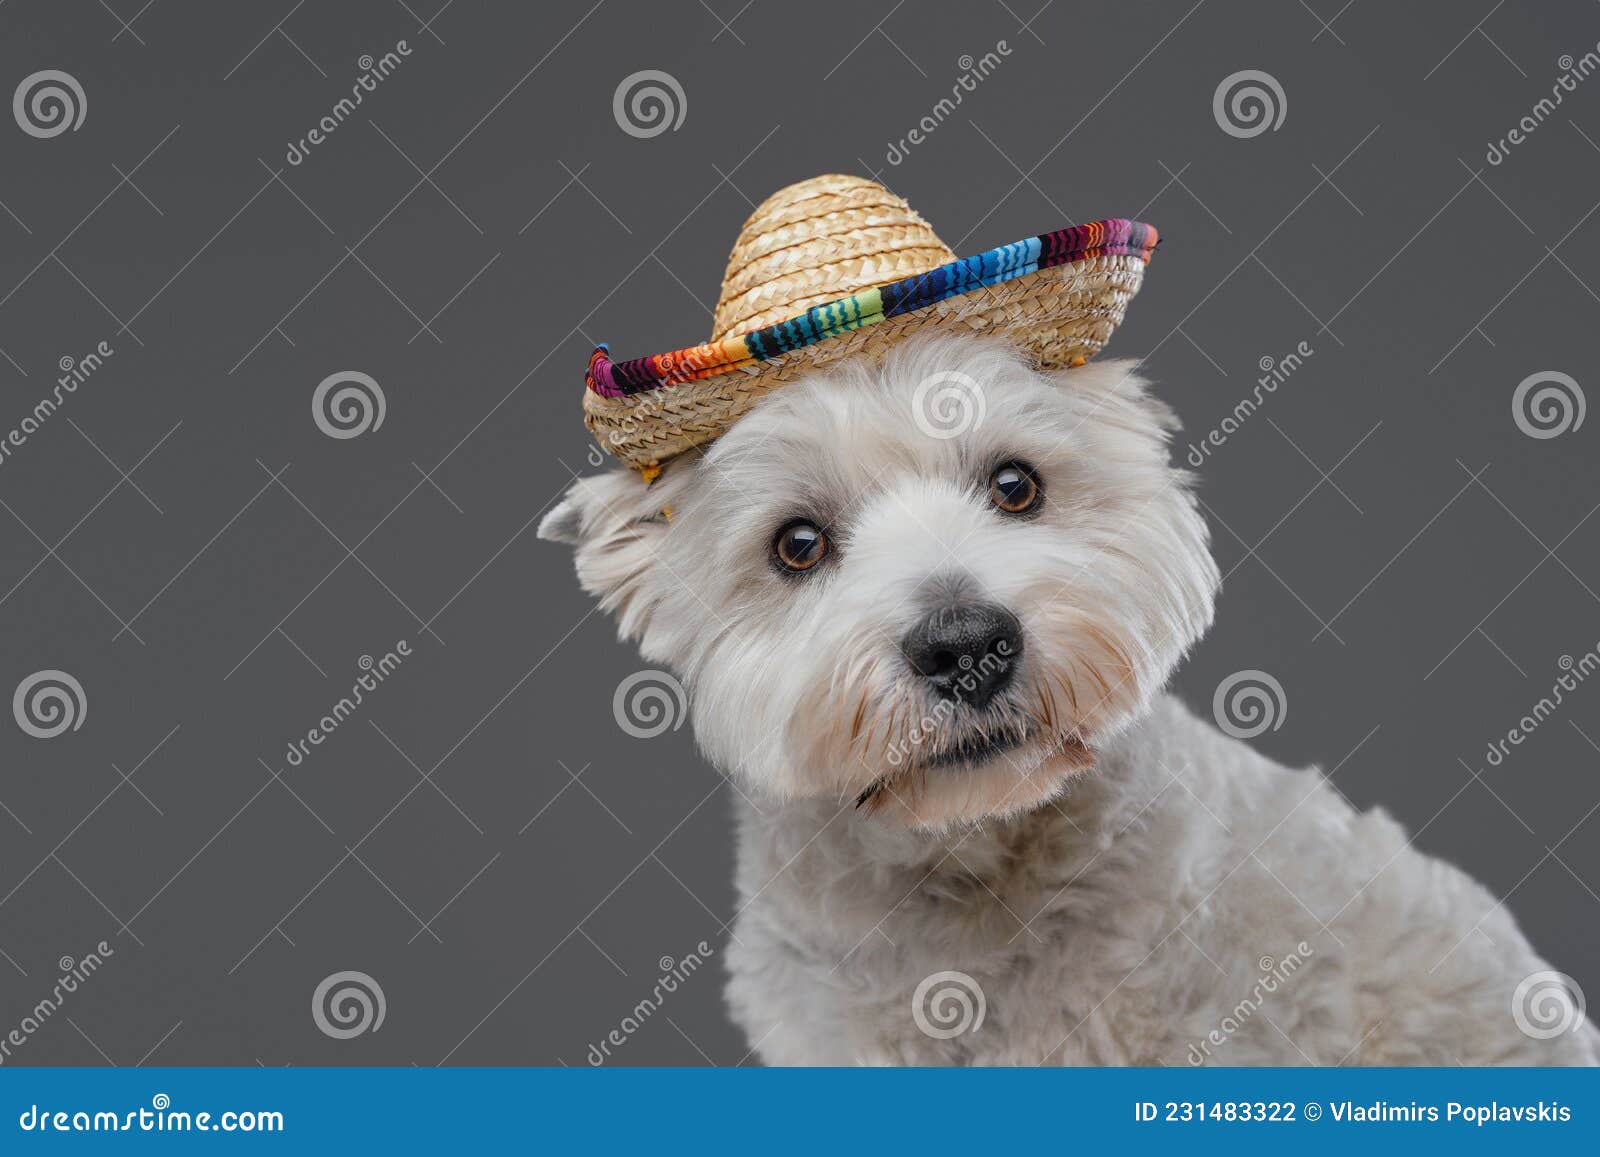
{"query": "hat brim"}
pixel 1058 295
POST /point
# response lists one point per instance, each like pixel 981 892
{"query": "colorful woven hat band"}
pixel 839 266
pixel 1116 237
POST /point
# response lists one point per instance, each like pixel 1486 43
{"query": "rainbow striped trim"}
pixel 1115 237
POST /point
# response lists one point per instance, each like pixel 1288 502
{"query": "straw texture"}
pixel 818 241
pixel 838 267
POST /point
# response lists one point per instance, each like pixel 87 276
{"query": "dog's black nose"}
pixel 968 653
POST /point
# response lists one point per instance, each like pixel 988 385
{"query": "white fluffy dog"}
pixel 975 830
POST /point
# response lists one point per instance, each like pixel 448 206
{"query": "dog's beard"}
pixel 904 755
pixel 977 777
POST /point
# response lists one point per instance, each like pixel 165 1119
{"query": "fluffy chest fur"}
pixel 1189 902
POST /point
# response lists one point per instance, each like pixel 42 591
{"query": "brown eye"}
pixel 1014 488
pixel 799 546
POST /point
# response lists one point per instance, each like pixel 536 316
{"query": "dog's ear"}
pixel 615 522
pixel 1117 384
pixel 1103 377
pixel 565 522
pixel 593 507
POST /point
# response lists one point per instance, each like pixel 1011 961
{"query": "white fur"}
pixel 1119 913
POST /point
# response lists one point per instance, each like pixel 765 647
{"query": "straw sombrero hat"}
pixel 838 267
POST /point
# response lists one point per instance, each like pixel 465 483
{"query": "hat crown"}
pixel 818 241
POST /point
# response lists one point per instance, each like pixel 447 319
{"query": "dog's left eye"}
pixel 1014 488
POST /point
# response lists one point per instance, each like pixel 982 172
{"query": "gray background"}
pixel 184 541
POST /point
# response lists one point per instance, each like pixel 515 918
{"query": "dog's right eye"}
pixel 1014 488
pixel 799 546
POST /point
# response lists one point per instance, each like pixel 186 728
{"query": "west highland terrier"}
pixel 973 828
